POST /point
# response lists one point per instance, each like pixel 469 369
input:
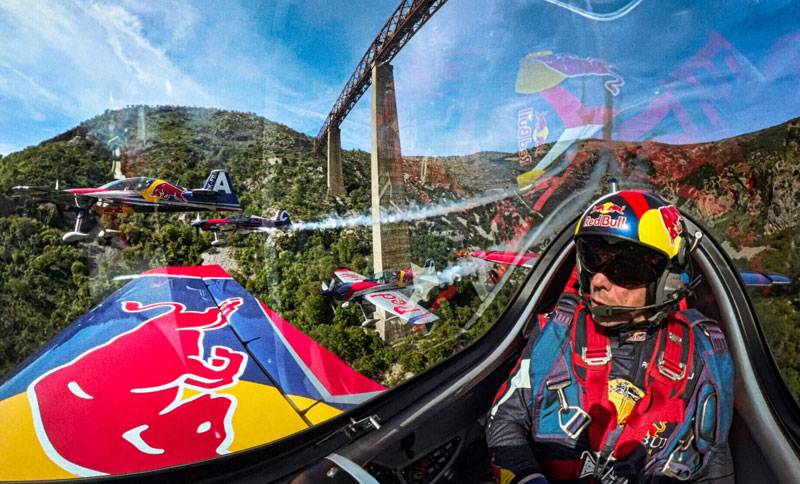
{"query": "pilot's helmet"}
pixel 634 237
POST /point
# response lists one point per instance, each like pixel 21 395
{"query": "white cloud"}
pixel 82 50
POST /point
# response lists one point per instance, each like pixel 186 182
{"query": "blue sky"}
pixel 287 60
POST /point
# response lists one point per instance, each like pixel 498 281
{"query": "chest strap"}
pixel 558 414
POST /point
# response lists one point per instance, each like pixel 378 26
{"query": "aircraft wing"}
pixel 401 306
pixel 505 257
pixel 346 275
pixel 112 195
pixel 759 279
pixel 216 224
pixel 59 197
pixel 181 364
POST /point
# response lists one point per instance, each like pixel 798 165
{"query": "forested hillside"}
pixel 47 284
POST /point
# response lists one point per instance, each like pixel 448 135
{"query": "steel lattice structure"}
pixel 404 22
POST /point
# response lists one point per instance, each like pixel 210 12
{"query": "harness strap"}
pixel 665 384
pixel 591 357
pixel 560 417
pixel 566 307
pixel 671 362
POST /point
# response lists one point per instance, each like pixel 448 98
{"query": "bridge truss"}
pixel 404 22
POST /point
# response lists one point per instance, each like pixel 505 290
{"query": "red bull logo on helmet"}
pixel 609 208
pixel 672 221
pixel 146 399
pixel 607 214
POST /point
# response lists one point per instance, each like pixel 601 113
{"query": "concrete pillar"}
pixel 335 180
pixel 608 121
pixel 391 246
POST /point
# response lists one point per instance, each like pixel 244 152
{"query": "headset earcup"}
pixel 669 283
pixel 583 279
pixel 680 257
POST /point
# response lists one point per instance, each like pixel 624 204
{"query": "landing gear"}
pixel 217 242
pixel 368 322
pixel 108 233
pixel 76 235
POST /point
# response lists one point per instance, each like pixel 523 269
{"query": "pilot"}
pixel 621 383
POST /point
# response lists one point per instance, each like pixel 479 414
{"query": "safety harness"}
pixel 673 426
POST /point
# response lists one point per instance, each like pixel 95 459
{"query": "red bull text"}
pixel 524 118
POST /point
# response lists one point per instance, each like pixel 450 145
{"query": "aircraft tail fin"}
pixel 219 182
pixel 283 217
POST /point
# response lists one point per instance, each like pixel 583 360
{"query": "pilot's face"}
pixel 604 292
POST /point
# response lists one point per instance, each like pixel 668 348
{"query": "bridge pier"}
pixel 391 247
pixel 335 179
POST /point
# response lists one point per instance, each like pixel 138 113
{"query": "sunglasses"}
pixel 624 263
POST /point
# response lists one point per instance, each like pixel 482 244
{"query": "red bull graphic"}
pixel 606 221
pixel 524 118
pixel 608 208
pixel 716 60
pixel 609 215
pixel 180 365
pixel 399 305
pixel 672 222
pixel 542 70
pixel 527 135
pixel 652 440
pixel 541 132
pixel 165 191
pixel 148 398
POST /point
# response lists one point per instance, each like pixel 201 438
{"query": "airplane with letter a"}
pixel 138 194
pixel 383 291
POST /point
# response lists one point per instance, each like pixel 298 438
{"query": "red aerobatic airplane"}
pixel 385 291
pixel 139 194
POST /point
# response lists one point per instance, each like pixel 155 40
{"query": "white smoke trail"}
pixel 406 215
pixel 462 268
pixel 553 223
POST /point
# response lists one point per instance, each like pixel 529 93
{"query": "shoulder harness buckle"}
pixel 682 461
pixel 598 360
pixel 674 375
pixel 571 419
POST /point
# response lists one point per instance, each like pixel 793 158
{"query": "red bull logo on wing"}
pixel 146 399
